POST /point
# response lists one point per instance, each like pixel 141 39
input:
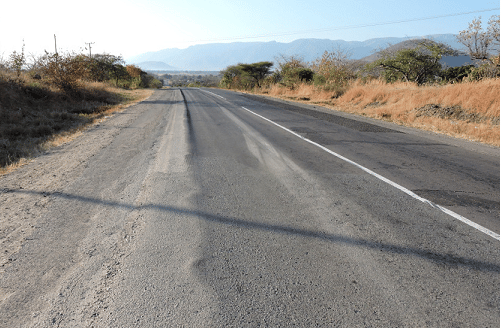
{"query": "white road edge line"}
pixel 392 183
pixel 214 94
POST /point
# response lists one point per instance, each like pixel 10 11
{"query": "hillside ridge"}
pixel 218 56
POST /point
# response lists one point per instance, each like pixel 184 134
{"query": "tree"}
pixel 230 76
pixel 419 64
pixel 257 71
pixel 476 40
pixel 103 67
pixel 245 75
pixel 494 32
pixel 118 72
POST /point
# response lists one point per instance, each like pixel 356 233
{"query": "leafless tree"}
pixel 478 41
pixel 494 31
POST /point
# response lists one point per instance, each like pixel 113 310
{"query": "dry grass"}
pixel 468 110
pixel 36 116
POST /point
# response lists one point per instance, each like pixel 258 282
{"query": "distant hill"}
pixel 155 66
pixel 218 56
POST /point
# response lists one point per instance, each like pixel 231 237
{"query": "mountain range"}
pixel 218 56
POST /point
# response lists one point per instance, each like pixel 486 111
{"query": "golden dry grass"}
pixel 469 110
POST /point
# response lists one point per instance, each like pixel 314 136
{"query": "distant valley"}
pixel 218 56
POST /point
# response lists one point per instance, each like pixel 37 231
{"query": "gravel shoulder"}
pixel 45 215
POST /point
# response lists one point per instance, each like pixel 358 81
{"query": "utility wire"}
pixel 348 27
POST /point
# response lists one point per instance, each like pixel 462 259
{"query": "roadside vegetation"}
pixel 407 86
pixel 46 100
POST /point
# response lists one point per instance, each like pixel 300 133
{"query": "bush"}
pixel 293 71
pixel 489 69
pixel 41 131
pixel 455 74
pixel 303 74
pixel 149 81
pixel 333 71
pixel 63 71
pixel 17 61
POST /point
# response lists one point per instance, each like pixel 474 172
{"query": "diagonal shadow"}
pixel 439 258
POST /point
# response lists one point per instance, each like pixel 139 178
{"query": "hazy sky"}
pixel 128 28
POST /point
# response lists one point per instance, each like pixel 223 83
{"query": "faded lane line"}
pixel 392 183
pixel 214 94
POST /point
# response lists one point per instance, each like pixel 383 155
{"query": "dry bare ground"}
pixel 469 110
pixel 47 175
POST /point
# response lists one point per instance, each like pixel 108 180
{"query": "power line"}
pixel 348 27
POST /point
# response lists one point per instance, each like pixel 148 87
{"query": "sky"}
pixel 132 27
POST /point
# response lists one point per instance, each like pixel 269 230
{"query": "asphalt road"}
pixel 209 208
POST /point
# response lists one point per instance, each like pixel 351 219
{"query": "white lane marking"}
pixel 392 183
pixel 214 94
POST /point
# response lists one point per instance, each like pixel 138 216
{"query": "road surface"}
pixel 209 208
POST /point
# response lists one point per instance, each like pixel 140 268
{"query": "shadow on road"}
pixel 444 259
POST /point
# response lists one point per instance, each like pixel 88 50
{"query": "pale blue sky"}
pixel 128 28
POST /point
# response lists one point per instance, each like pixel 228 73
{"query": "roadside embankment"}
pixel 469 110
pixel 35 116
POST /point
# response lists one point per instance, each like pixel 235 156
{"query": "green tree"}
pixel 245 75
pixel 257 71
pixel 419 64
pixel 103 67
pixel 118 72
pixel 230 76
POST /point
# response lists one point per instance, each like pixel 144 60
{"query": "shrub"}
pixel 41 131
pixel 13 131
pixel 63 71
pixel 455 74
pixel 333 70
pixel 293 70
pixel 303 74
pixel 17 61
pixel 489 69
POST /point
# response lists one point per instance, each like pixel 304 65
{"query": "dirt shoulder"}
pixel 66 156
